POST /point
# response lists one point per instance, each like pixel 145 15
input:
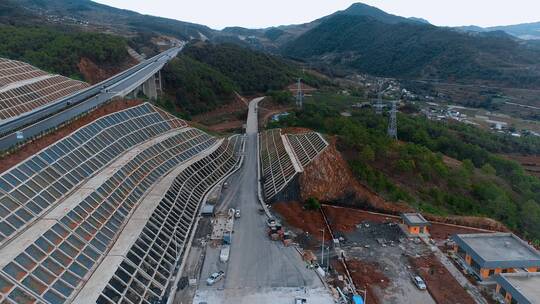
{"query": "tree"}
pixel 488 169
pixel 281 97
pixel 313 204
pixel 468 166
pixel 530 218
pixel 367 154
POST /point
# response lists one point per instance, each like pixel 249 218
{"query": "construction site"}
pixel 115 200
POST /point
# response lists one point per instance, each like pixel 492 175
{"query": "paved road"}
pixel 256 263
pixel 38 120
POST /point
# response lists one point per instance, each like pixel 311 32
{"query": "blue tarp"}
pixel 357 299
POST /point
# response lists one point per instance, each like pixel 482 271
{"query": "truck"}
pixel 227 238
pixel 224 253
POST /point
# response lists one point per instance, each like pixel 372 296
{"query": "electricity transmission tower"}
pixel 392 124
pixel 299 94
pixel 379 105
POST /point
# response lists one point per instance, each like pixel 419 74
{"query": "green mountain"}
pixel 273 38
pixel 417 50
pixel 525 31
pixel 364 10
pixel 91 15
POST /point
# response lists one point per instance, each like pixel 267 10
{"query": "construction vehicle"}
pixel 227 238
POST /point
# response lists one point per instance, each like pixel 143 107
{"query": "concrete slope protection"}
pixel 53 114
pixel 104 214
pixel 282 157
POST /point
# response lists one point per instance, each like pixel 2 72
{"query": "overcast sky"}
pixel 265 13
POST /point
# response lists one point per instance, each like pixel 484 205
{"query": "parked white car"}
pixel 419 282
pixel 214 278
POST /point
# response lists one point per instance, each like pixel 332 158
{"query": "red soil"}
pixel 444 231
pixel 295 130
pixel 346 219
pixel 225 117
pixel 531 163
pixel 296 216
pixel 226 126
pixel 93 73
pixel 33 147
pixel 329 179
pixel 442 286
pixel 365 276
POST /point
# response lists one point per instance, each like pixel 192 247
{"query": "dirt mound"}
pixel 329 179
pixel 442 286
pixel 93 73
pixel 296 216
pixel 37 145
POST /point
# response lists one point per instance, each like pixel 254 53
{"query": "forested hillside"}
pixel 415 50
pixel 206 75
pixel 417 169
pixel 196 87
pixel 253 71
pixel 60 52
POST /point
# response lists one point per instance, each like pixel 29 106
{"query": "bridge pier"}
pixel 149 88
pixel 152 87
pixel 159 85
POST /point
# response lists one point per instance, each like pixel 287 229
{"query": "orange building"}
pixel 488 254
pixel 520 288
pixel 415 223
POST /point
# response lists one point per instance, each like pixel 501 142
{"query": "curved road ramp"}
pixel 258 270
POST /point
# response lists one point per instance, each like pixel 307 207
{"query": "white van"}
pixel 224 253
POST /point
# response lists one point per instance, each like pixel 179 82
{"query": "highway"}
pixel 54 114
pixel 259 270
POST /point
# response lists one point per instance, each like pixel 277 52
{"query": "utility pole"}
pixel 392 124
pixel 299 94
pixel 322 248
